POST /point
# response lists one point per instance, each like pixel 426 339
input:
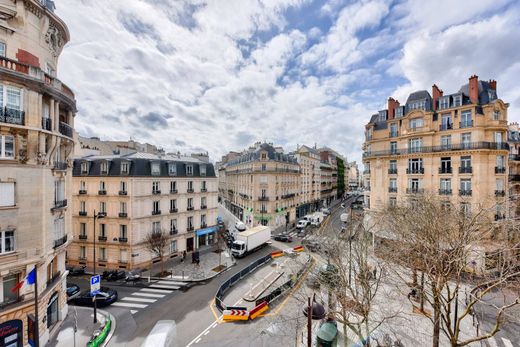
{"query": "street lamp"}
pixel 344 217
pixel 99 215
pixel 314 311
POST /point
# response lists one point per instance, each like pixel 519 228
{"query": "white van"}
pixel 316 219
pixel 163 334
pixel 239 227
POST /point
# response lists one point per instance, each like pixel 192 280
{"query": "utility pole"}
pixel 309 322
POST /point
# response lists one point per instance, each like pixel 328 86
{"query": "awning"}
pixel 205 231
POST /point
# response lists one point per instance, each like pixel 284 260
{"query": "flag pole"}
pixel 36 315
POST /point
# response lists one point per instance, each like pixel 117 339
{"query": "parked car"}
pixel 133 276
pixel 301 233
pixel 72 290
pixel 313 246
pixel 283 238
pixel 76 271
pixel 325 211
pixel 113 275
pixel 104 297
pixel 302 224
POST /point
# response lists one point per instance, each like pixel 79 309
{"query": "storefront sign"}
pixel 11 333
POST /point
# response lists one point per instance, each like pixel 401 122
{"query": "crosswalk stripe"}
pixel 175 283
pixel 507 342
pixel 151 290
pixel 150 295
pixel 162 286
pixel 133 311
pixel 131 298
pixel 492 342
pixel 129 304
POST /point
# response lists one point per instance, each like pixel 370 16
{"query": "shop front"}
pixel 206 236
pixel 11 333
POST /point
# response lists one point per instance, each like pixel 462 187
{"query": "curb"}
pixel 199 279
pixel 112 327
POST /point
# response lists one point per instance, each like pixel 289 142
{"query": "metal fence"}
pixel 237 277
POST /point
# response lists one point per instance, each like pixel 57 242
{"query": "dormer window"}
pixel 496 115
pixel 399 112
pixel 84 168
pixel 125 168
pixel 457 100
pixel 444 102
pixel 492 94
pixel 156 169
pixel 202 168
pixel 189 170
pixel 104 168
pixel 172 169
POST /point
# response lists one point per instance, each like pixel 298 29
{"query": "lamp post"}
pixel 344 217
pixel 99 215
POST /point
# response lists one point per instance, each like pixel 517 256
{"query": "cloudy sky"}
pixel 194 75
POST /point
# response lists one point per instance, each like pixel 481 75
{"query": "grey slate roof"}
pixel 418 95
pixel 483 95
pixel 271 154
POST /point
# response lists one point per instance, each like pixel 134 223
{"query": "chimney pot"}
pixel 493 84
pixel 392 104
pixel 473 89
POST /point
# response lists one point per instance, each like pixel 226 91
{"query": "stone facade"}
pixel 310 181
pixel 514 171
pixel 36 130
pixel 135 202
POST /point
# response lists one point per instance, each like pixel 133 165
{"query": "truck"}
pixel 250 240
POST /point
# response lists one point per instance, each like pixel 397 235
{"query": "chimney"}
pixel 473 89
pixel 493 84
pixel 436 94
pixel 392 105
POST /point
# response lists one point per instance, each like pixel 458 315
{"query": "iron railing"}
pixel 47 124
pixel 12 116
pixel 442 148
pixel 61 241
pixel 65 129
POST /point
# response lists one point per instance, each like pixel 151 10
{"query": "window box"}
pixel 83 213
pixel 174 210
pixel 82 192
pixel 500 170
pixel 123 239
pixel 190 208
pixel 102 192
pixel 154 213
pixel 156 192
pixel 465 192
pixel 123 214
pixel 102 238
pixel 466 170
pixel 82 237
pixel 123 192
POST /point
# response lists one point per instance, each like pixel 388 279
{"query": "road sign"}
pixel 95 283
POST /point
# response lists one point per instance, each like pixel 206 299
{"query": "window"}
pixel 173 225
pixel 102 186
pixel 190 186
pixel 8 283
pixel 82 252
pixel 263 193
pixel 393 130
pixel 82 229
pixel 264 156
pixel 123 231
pixel 465 209
pixel 172 169
pixel 416 123
pixel 156 169
pixel 393 184
pixel 393 201
pixel 2 49
pixel 446 165
pixel 369 148
pixel 122 207
pixel 203 201
pixel 393 147
pixel 496 114
pixel 59 190
pixel 156 227
pixel 103 207
pixel 263 208
pixel 445 184
pixel 125 168
pixel 500 161
pixel 190 203
pixel 102 253
pixel 84 168
pixel 6 147
pixel 202 220
pixel 190 222
pixel 465 119
pixel 7 194
pixel 414 184
pixel 465 139
pixel 82 186
pixel 202 168
pixel 369 134
pixel 498 137
pixel 414 145
pixel 104 167
pixel 203 186
pixel 264 167
pixel 156 207
pixel 500 185
pixel 11 98
pixel 173 186
pixel 173 204
pixel 446 122
pixel 444 102
pixel 189 170
pixel 393 166
pixel 82 208
pixel 123 255
pixel 465 162
pixel 446 142
pixel 102 230
pixel 465 184
pixel 6 241
pixel 156 187
pixel 415 165
pixel 457 100
pixel 173 246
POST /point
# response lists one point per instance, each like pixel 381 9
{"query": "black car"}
pixel 104 297
pixel 72 290
pixel 283 238
pixel 113 275
pixel 76 271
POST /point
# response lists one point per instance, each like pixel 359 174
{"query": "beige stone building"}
pixel 310 180
pixel 36 130
pixel 95 146
pixel 138 194
pixel 329 175
pixel 352 176
pixel 454 146
pixel 261 186
pixel 514 171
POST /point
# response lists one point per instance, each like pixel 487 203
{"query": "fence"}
pixel 237 277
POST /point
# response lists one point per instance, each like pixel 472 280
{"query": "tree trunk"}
pixel 162 265
pixel 436 317
pixel 414 277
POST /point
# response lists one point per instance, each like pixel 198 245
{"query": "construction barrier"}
pixel 298 249
pixel 258 310
pixel 277 254
pixel 236 313
pixel 98 340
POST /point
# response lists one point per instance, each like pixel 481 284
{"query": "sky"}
pixel 219 75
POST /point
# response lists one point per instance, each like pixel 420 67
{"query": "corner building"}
pixel 453 145
pixel 36 128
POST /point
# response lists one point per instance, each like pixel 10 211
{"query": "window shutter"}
pixel 7 194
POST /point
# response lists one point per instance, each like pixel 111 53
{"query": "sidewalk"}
pixel 82 318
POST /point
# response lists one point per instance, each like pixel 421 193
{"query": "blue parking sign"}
pixel 95 283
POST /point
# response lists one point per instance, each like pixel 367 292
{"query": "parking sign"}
pixel 95 283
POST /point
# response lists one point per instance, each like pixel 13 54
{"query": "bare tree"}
pixel 155 243
pixel 452 247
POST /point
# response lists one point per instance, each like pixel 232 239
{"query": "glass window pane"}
pixel 9 282
pixel 9 241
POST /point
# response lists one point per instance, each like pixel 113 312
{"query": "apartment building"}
pixel 36 129
pixel 329 175
pixel 95 146
pixel 454 146
pixel 261 186
pixel 134 195
pixel 310 180
pixel 352 176
pixel 513 139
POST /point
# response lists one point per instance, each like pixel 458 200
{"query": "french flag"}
pixel 29 279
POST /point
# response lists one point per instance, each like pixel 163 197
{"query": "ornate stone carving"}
pixel 22 155
pixel 54 39
pixel 41 158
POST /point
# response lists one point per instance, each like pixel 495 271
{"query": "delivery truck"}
pixel 250 240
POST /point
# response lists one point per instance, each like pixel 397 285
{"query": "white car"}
pixel 302 224
pixel 325 211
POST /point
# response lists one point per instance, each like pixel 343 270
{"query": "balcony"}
pixel 442 148
pixel 514 178
pixel 102 238
pixel 466 124
pixel 156 212
pixel 102 192
pixel 500 193
pixel 500 216
pixel 465 169
pixel 445 170
pixel 263 198
pixel 417 129
pixel 465 192
pixel 174 210
pixel 82 192
pixel 60 166
pixel 412 171
pixel 392 190
pixel 47 124
pixel 444 127
pixel 203 190
pixel 156 192
pixel 189 208
pixel 203 225
pixel 123 239
pixel 414 191
pixel 444 191
pixel 65 129
pixel 392 171
pixel 500 169
pixel 514 157
pixel 123 192
pixel 60 204
pixel 61 241
pixel 12 116
pixel 123 214
pixel 173 191
pixel 203 207
pixel 288 196
pixel 173 231
pixel 83 213
pixel 189 190
pixel 82 237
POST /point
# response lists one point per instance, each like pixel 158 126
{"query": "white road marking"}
pixel 206 333
pixel 150 295
pixel 151 290
pixel 133 311
pixel 162 286
pixel 507 342
pixel 131 298
pixel 174 283
pixel 198 340
pixel 128 304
